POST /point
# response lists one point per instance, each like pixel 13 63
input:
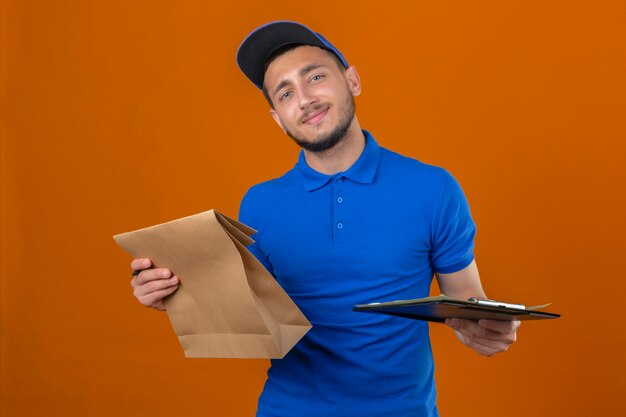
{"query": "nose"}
pixel 306 98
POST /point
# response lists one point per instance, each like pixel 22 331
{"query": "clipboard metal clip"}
pixel 493 303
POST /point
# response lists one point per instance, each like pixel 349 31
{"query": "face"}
pixel 313 98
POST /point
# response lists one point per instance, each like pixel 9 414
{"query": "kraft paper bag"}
pixel 227 304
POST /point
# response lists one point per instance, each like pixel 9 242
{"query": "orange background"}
pixel 122 114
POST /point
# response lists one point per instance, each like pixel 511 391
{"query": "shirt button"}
pixel 340 200
pixel 340 179
pixel 339 225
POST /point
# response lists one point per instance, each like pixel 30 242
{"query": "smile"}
pixel 315 117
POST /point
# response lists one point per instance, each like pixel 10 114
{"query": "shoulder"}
pixel 413 170
pixel 263 196
pixel 269 188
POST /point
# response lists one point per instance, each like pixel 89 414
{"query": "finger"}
pixel 140 263
pixel 474 330
pixel 497 341
pixel 500 326
pixel 153 298
pixel 159 305
pixel 485 349
pixel 154 286
pixel 482 346
pixel 468 327
pixel 151 274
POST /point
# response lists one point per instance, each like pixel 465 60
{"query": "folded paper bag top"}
pixel 227 304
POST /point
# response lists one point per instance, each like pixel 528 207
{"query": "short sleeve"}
pixel 247 217
pixel 452 246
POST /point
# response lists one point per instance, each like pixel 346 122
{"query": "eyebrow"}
pixel 304 71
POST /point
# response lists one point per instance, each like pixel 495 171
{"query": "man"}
pixel 351 223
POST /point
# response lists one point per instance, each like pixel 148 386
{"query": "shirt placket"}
pixel 338 210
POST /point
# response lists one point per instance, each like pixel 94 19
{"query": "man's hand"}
pixel 152 284
pixel 486 337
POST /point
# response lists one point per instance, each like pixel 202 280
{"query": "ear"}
pixel 353 80
pixel 277 120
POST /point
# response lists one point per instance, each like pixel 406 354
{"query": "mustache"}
pixel 314 108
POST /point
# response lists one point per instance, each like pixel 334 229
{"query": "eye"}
pixel 285 95
pixel 316 78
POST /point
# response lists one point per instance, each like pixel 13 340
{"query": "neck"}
pixel 341 156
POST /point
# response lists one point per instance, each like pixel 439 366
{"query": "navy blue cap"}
pixel 264 40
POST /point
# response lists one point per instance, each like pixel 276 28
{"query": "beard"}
pixel 325 142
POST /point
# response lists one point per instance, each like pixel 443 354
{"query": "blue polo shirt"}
pixel 376 232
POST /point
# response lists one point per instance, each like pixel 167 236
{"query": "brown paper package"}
pixel 227 304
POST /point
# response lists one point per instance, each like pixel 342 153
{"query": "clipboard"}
pixel 442 307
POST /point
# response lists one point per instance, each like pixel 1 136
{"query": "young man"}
pixel 351 223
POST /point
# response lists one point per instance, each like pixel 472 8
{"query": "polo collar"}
pixel 363 170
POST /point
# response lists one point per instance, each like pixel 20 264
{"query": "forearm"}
pixel 462 284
